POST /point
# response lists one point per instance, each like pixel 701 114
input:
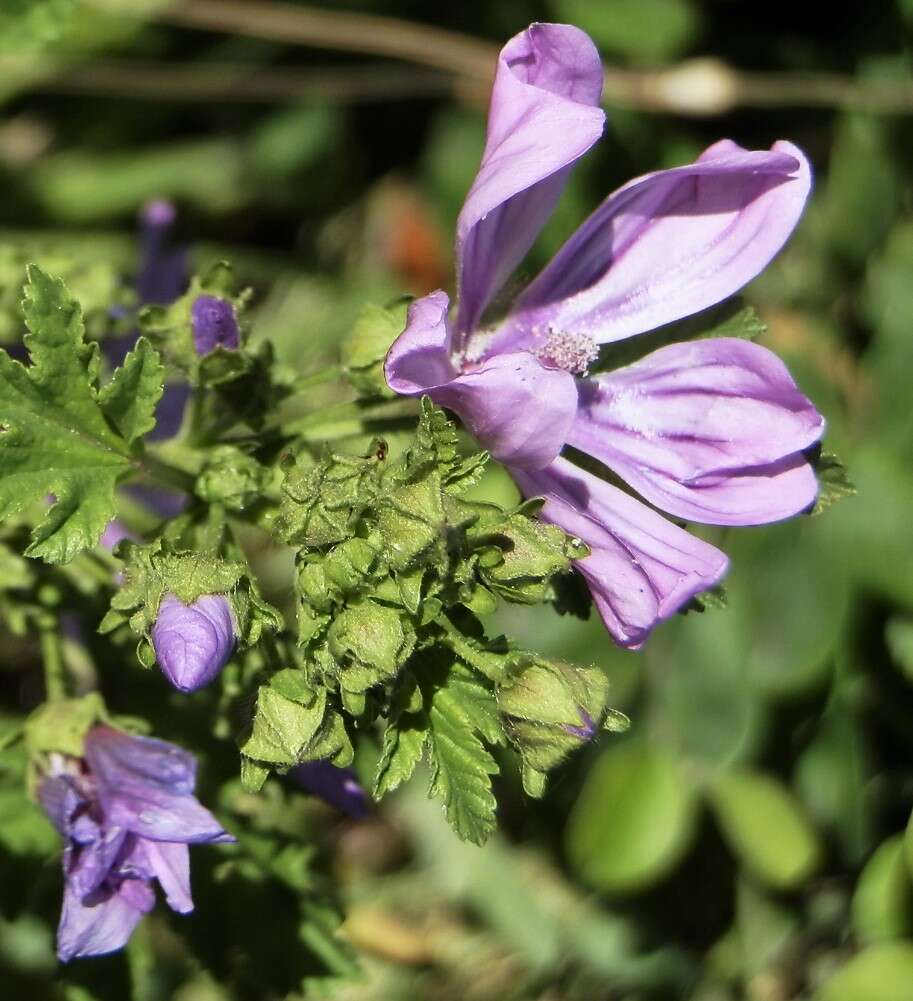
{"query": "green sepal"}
pixel 232 478
pixel 61 726
pixel 834 483
pixel 294 722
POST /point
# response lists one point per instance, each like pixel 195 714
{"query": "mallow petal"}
pixel 665 246
pixel 642 568
pixel 192 643
pixel 514 406
pixel 707 430
pixel 518 408
pixel 543 116
pixel 102 922
pixel 146 785
pixel 420 358
pixel 169 863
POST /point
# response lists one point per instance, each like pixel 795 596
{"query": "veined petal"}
pixel 516 407
pixel 513 405
pixel 641 569
pixel 543 116
pixel 665 246
pixel 707 430
pixel 146 786
pixel 103 922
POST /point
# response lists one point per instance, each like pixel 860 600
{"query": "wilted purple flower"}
pixel 193 642
pixel 127 814
pixel 214 324
pixel 711 431
pixel 337 786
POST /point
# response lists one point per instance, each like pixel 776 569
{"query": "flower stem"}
pixel 167 475
pixel 317 378
pixel 55 682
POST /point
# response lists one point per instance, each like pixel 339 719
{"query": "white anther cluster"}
pixel 572 352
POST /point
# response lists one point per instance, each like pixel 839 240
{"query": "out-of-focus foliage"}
pixel 748 838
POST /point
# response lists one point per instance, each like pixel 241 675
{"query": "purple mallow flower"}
pixel 214 324
pixel 337 786
pixel 193 642
pixel 127 813
pixel 711 430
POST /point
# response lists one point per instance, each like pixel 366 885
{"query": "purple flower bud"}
pixel 127 814
pixel 214 324
pixel 336 786
pixel 193 642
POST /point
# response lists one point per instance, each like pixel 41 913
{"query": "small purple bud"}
pixel 214 324
pixel 192 643
pixel 336 786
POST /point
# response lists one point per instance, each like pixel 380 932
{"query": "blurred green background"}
pixel 745 840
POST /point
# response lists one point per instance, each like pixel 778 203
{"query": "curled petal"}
pixel 667 245
pixel 60 800
pixel 516 407
pixel 420 358
pixel 544 116
pixel 641 569
pixel 87 868
pixel 102 922
pixel 146 785
pixel 707 430
pixel 193 642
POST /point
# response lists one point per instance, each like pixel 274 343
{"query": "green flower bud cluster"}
pixel 394 568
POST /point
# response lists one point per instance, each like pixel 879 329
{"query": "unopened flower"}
pixel 193 643
pixel 710 431
pixel 550 709
pixel 214 324
pixel 337 786
pixel 127 813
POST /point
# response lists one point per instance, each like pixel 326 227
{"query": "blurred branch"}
pixel 704 86
pixel 229 82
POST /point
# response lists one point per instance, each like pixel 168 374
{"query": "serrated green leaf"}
pixel 404 744
pixel 54 435
pixel 130 398
pixel 461 766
